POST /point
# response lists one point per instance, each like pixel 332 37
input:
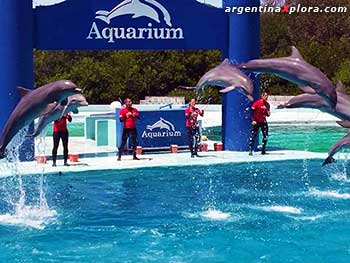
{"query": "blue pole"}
pixel 244 45
pixel 16 63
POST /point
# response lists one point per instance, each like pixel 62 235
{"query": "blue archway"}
pixel 96 25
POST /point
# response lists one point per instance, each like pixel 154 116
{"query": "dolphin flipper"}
pixel 141 15
pixel 227 89
pixel 307 89
pixel 344 124
pixel 329 160
pixel 49 108
pixel 104 19
pixel 240 90
pixel 102 12
pixel 281 106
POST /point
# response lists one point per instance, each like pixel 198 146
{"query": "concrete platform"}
pixel 157 160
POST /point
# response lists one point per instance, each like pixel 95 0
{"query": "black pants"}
pixel 126 133
pixel 193 139
pixel 265 131
pixel 56 141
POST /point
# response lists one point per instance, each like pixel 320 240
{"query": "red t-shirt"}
pixel 192 116
pixel 128 119
pixel 61 124
pixel 261 110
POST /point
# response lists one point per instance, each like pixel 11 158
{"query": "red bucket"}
pixel 218 146
pixel 138 150
pixel 203 147
pixel 41 159
pixel 74 158
pixel 174 148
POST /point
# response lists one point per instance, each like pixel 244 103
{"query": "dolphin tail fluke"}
pixel 328 160
pixel 104 19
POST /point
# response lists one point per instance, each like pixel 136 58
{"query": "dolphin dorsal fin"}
pixel 296 54
pixel 340 87
pixel 23 91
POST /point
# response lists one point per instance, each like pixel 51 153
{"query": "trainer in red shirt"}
pixel 261 109
pixel 128 115
pixel 61 124
pixel 60 132
pixel 191 114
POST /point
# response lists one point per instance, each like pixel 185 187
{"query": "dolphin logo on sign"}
pixel 161 124
pixel 137 9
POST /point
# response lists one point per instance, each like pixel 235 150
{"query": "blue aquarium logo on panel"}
pixel 161 128
pixel 159 23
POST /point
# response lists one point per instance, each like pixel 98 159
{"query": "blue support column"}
pixel 16 63
pixel 244 45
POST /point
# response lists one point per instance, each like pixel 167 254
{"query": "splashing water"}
pixel 280 209
pixel 213 214
pixel 210 211
pixel 328 194
pixel 338 171
pixel 35 216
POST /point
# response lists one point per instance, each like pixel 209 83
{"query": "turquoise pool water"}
pixel 287 211
pixel 314 138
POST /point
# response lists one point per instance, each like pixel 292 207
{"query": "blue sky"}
pixel 51 2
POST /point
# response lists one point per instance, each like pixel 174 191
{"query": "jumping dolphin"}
pixel 342 143
pixel 295 69
pixel 128 7
pixel 228 77
pixel 55 111
pixel 306 100
pixel 31 106
pixel 309 100
pixel 161 124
